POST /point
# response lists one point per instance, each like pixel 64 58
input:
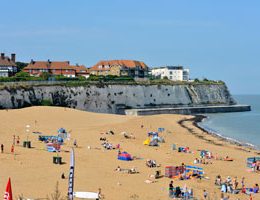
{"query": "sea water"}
pixel 240 126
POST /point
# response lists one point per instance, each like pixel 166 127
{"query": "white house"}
pixel 7 65
pixel 174 73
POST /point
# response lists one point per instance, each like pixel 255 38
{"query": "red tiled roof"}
pixel 48 65
pixel 6 62
pixel 80 69
pixel 123 63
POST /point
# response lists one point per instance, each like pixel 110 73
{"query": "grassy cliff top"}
pixel 78 83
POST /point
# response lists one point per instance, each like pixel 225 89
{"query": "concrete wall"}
pixel 188 110
pixel 114 98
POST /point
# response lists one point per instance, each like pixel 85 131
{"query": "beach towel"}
pixel 147 141
pixel 86 195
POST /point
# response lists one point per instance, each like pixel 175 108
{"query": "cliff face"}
pixel 114 98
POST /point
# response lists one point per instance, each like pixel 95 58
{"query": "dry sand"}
pixel 34 175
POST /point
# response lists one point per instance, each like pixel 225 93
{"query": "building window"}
pixel 170 72
pixel 170 77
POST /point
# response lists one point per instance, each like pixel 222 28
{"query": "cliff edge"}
pixel 113 98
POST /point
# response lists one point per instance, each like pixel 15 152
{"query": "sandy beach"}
pixel 34 175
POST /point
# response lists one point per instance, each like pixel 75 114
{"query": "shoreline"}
pixel 197 119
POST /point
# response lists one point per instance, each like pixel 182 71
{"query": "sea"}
pixel 242 127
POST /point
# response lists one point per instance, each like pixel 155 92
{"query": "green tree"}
pixel 20 65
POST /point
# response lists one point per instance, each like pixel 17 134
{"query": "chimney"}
pixel 13 57
pixel 32 61
pixel 2 56
pixel 48 63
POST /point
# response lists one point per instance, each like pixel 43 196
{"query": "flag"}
pixel 8 191
pixel 71 175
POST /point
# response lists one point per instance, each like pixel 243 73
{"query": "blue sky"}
pixel 215 39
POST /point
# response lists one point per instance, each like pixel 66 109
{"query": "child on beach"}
pixel 2 148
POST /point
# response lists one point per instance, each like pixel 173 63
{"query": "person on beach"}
pixel 222 196
pixel 12 149
pixel 118 169
pixel 196 161
pixel 256 188
pixel 243 182
pixel 235 183
pixel 171 189
pixel 224 187
pixel 218 180
pixel 100 195
pixel 18 140
pixel 226 198
pixel 253 167
pixel 13 139
pixel 2 148
pixel 228 180
pixel 75 143
pixel 205 194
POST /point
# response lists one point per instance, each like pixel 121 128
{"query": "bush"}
pixel 22 75
pixel 45 75
pixel 95 78
pixel 46 102
pixel 81 78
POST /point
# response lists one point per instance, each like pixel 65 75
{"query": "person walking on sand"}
pixel 205 194
pixel 171 189
pixel 12 149
pixel 2 148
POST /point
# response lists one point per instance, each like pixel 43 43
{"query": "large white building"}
pixel 174 73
